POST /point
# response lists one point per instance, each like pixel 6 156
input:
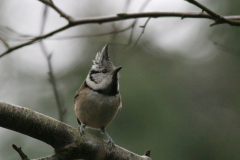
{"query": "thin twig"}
pixel 11 34
pixel 92 35
pixel 113 37
pixel 132 30
pixel 20 152
pixel 34 40
pixel 143 29
pixel 135 21
pixel 225 48
pixel 59 11
pixel 60 105
pixel 22 37
pixel 204 8
pixel 139 35
pixel 5 43
pixel 218 19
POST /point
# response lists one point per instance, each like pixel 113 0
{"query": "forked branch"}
pixel 218 19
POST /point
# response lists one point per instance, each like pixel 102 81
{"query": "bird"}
pixel 98 100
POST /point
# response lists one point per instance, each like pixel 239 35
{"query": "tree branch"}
pixel 66 140
pixel 121 17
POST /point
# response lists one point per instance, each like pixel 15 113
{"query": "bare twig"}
pixel 59 11
pixel 132 30
pixel 60 105
pixel 134 24
pixel 225 48
pixel 143 29
pixel 34 40
pixel 5 43
pixel 218 19
pixel 135 21
pixel 113 36
pixel 204 8
pixel 20 152
pixel 92 35
pixel 22 37
pixel 120 17
pixel 13 35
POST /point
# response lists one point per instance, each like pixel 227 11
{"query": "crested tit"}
pixel 98 99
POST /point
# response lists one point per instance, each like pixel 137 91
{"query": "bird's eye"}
pixel 104 71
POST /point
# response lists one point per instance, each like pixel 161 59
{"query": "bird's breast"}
pixel 96 110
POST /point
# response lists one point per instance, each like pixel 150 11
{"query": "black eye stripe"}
pixel 91 73
pixel 94 72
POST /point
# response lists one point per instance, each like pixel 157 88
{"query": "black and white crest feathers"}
pixel 102 57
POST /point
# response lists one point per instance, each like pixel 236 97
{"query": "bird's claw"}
pixel 81 129
pixel 110 141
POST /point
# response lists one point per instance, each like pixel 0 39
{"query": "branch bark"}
pixel 66 140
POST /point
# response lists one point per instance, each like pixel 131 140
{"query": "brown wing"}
pixel 83 86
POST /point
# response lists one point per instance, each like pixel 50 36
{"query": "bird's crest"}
pixel 102 58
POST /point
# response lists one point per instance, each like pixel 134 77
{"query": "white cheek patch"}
pixel 98 77
pixel 101 81
pixel 100 86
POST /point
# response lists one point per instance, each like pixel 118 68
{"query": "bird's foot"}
pixel 110 141
pixel 81 129
pixel 109 138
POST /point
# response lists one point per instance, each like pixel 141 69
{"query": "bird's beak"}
pixel 117 69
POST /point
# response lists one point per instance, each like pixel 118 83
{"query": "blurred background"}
pixel 180 89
